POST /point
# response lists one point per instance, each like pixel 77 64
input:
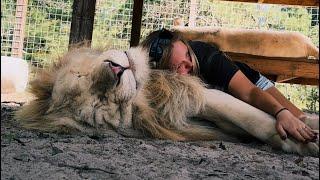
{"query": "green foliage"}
pixel 313 100
pixel 47 30
pixel 112 24
pixel 304 97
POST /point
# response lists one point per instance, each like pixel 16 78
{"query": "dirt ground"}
pixel 35 155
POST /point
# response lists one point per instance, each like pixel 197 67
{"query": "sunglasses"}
pixel 157 45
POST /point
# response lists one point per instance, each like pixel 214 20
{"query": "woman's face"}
pixel 180 58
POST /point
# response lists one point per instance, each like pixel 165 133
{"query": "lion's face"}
pixel 98 88
pixel 115 75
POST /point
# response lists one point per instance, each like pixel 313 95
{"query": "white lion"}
pixel 94 91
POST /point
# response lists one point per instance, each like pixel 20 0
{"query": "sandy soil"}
pixel 34 155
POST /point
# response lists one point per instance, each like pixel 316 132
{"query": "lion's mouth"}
pixel 117 69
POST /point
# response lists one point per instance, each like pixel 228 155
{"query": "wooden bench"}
pixel 282 69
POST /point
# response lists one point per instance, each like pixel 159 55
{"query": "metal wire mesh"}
pixel 7 26
pixel 160 14
pixel 112 24
pixel 47 30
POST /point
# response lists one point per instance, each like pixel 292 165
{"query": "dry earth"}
pixel 34 155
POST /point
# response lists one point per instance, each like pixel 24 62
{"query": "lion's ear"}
pixel 140 67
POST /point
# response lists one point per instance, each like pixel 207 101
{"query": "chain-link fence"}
pixel 112 24
pixel 46 27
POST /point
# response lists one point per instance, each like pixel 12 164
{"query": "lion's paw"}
pixel 309 149
pixel 292 146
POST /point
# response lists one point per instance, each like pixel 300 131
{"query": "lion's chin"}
pixel 127 87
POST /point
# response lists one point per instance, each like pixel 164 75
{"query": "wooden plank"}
pixel 284 2
pixel 82 22
pixel 295 67
pixel 297 80
pixel 284 78
pixel 136 23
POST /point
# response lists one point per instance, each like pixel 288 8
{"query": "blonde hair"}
pixel 164 62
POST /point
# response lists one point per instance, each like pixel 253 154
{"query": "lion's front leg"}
pixel 254 121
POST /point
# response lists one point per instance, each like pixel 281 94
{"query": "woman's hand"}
pixel 241 88
pixel 288 123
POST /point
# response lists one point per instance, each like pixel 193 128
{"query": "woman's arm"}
pixel 242 88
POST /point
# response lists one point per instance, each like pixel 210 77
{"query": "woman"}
pixel 168 50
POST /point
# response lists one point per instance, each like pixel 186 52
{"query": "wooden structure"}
pixel 18 30
pixel 136 22
pixel 82 21
pixel 288 70
pixel 283 70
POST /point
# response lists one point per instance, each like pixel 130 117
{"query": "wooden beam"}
pixel 82 22
pixel 18 31
pixel 136 23
pixel 304 81
pixel 284 78
pixel 284 2
pixel 296 80
pixel 294 67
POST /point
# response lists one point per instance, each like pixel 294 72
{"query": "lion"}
pixel 268 43
pixel 95 91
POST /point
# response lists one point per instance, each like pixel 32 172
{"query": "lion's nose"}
pixel 116 68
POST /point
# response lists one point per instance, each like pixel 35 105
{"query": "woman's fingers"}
pixel 281 131
pixel 296 134
pixel 305 134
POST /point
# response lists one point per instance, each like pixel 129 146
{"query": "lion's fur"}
pixel 176 97
pixel 255 42
pixel 34 115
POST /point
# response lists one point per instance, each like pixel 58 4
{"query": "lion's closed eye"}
pixel 79 74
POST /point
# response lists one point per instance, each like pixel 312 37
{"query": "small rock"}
pixel 55 151
pixel 222 146
pixel 22 157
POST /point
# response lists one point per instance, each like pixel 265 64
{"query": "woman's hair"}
pixel 159 44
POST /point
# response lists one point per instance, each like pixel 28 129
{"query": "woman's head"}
pixel 168 50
